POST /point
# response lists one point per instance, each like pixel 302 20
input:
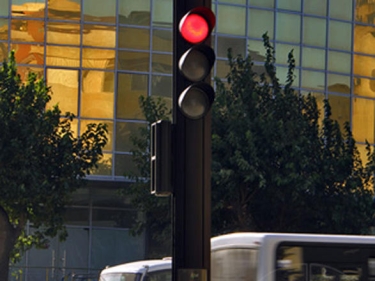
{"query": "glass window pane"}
pixel 340 109
pixel 316 7
pixel 3 51
pixel 4 29
pixel 95 11
pixel 364 87
pixel 162 40
pixel 105 165
pixel 364 40
pixel 364 12
pixel 231 20
pixel 262 3
pixel 4 4
pixel 260 22
pixel 162 13
pixel 33 9
pixel 340 34
pixel 63 33
pixel 363 65
pixel 338 61
pixel 113 218
pixel 314 31
pixel 97 94
pixel 29 54
pixel 314 58
pixel 222 68
pixel 282 73
pixel 98 58
pixel 294 5
pixel 288 27
pixel 123 132
pixel 99 36
pixel 64 10
pixel 341 9
pixel 24 71
pixel 124 165
pixel 312 80
pixel 76 216
pixel 129 88
pixel 64 86
pixel 338 83
pixel 282 52
pixel 162 87
pixel 27 31
pixel 134 12
pixel 238 46
pixel 127 60
pixel 85 122
pixel 63 56
pixel 162 63
pixel 363 119
pixel 134 38
pixel 256 50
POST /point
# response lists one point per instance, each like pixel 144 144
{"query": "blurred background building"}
pixel 100 56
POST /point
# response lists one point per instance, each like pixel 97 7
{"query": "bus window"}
pixel 237 264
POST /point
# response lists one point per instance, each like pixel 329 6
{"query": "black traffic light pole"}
pixel 191 150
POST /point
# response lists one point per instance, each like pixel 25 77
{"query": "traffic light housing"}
pixel 196 94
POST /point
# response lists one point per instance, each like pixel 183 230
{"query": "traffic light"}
pixel 197 95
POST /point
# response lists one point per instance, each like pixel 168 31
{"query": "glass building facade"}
pixel 100 56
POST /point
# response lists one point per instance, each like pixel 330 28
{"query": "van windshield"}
pixel 120 277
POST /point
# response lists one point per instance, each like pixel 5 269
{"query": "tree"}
pixel 276 167
pixel 156 218
pixel 41 163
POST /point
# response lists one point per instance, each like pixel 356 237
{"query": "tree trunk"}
pixel 7 241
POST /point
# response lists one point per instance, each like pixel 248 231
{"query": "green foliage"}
pixel 41 161
pixel 156 219
pixel 275 168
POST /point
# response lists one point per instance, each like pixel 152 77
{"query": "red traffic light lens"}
pixel 194 28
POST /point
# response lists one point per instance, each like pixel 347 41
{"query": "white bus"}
pixel 292 257
pixel 270 257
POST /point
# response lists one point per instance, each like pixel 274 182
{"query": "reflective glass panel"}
pixel 260 22
pixel 134 12
pixel 363 119
pixel 338 83
pixel 105 165
pixel 124 164
pixel 340 35
pixel 123 132
pixel 262 3
pixel 312 80
pixel 29 8
pixel 63 33
pixel 27 31
pixel 4 4
pixel 364 65
pixel 64 87
pixel 231 20
pixel 222 68
pixel 288 27
pixel 4 29
pixel 24 71
pixel 340 109
pixel 364 12
pixel 282 74
pixel 294 5
pixel 161 86
pixel 138 61
pixel 3 51
pixel 99 35
pixel 97 94
pixel 341 9
pixel 364 87
pixel 282 52
pixel 316 7
pixel 162 63
pixel 76 216
pixel 338 61
pixel 129 88
pixel 95 11
pixel 238 46
pixel 314 31
pixel 113 218
pixel 28 53
pixel 63 56
pixel 83 128
pixel 64 10
pixel 364 40
pixel 162 13
pixel 162 40
pixel 256 50
pixel 98 58
pixel 134 38
pixel 313 58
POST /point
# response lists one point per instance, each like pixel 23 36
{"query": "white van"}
pixel 145 270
